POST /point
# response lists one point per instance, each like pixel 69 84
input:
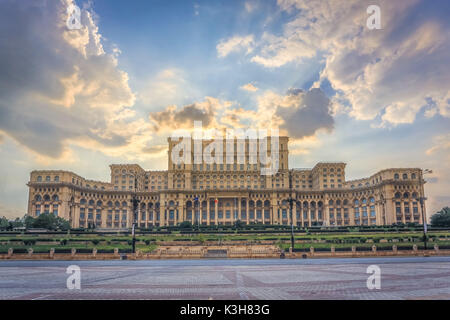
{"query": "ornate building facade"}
pixel 221 193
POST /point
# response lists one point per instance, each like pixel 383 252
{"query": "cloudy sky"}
pixel 113 90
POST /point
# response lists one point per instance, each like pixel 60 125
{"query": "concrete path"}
pixel 401 278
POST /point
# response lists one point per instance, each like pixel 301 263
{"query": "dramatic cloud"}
pixel 298 113
pixel 388 74
pixel 235 44
pixel 59 86
pixel 172 118
pixel 249 87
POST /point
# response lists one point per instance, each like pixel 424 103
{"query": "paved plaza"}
pixel 401 278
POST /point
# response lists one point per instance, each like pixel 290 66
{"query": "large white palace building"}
pixel 220 194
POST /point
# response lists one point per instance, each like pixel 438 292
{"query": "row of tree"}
pixel 51 222
pixel 45 221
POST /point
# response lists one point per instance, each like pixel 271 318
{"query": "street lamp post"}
pixel 291 213
pixel 292 222
pixel 133 233
pixel 135 202
pixel 197 213
pixel 421 200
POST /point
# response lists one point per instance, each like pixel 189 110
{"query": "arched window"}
pixel 83 201
pixel 56 178
pixel 330 202
pixel 46 197
pixel 406 195
pixel 110 204
pixel 99 203
pixel 55 197
pixel 372 200
pixel 398 195
pixel 124 204
pixel 117 204
pixel 356 202
pixel 413 176
pixel 396 176
pixel 338 202
pixel 37 197
pixel 405 176
pixel 47 178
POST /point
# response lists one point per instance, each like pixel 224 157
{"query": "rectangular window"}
pixel 357 213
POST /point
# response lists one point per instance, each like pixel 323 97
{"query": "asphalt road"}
pixel 400 278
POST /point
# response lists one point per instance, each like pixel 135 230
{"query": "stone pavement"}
pixel 401 278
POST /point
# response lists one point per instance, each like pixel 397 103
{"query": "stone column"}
pixel 239 209
pixel 162 210
pixel 247 216
pixel 403 211
pixel 275 212
pixel 216 212
pixel 139 217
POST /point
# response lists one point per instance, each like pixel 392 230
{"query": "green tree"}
pixel 239 224
pixel 441 218
pixel 51 222
pixel 28 221
pixel 186 225
pixel 4 223
pixel 16 223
